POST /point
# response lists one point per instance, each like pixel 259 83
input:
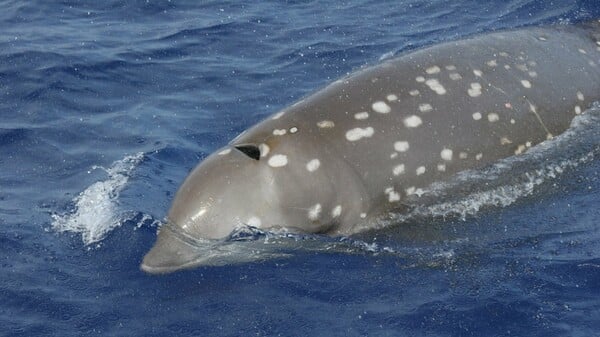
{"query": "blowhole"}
pixel 249 150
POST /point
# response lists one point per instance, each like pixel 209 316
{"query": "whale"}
pixel 372 142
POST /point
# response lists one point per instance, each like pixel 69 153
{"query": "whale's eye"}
pixel 249 150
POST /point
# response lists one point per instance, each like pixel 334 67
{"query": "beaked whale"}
pixel 372 142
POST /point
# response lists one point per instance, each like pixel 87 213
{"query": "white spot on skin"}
pixel 582 51
pixel 425 107
pixel 432 70
pixel 520 149
pixel 393 155
pixel 363 215
pixel 455 76
pixel 436 86
pixel 325 124
pixel 254 222
pixel 580 96
pixel 414 93
pixel 392 97
pixel 420 170
pixel 475 90
pixel 314 212
pixel 532 74
pixel 412 121
pixel 463 155
pixel 420 79
pixel 381 107
pixel 577 109
pixel 503 54
pixel 361 115
pixel 264 149
pixel 528 144
pixel 410 191
pixel 278 115
pixel 512 121
pixel 492 63
pixel 313 165
pixel 479 156
pixel 446 154
pixel 359 133
pixel 441 167
pixel 505 141
pixel 279 132
pixel 477 116
pixel 450 67
pixel 399 169
pixel 526 84
pixel 477 72
pixel 293 129
pixel 506 66
pixel 522 67
pixel 401 146
pixel 474 93
pixel 224 152
pixel 541 38
pixel 278 160
pixel 393 196
pixel 493 117
pixel 336 211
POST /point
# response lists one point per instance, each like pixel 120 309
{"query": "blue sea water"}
pixel 107 105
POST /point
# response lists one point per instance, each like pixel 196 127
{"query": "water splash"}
pixel 94 213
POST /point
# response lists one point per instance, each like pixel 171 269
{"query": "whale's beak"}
pixel 170 253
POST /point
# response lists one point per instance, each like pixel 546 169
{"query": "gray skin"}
pixel 385 133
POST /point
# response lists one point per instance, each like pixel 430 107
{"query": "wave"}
pixel 94 212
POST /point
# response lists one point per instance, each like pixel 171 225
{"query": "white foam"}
pixel 95 209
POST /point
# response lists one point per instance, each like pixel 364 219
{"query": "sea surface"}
pixel 105 106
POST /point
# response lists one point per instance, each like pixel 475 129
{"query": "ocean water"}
pixel 107 105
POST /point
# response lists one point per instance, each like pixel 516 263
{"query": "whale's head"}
pixel 245 185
